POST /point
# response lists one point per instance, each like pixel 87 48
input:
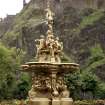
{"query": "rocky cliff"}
pixel 6 24
pixel 82 32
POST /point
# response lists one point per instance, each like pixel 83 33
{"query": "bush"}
pixel 13 84
pixel 84 102
pixel 82 85
pixel 92 102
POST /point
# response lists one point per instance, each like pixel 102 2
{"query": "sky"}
pixel 10 7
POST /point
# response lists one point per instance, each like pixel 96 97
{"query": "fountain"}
pixel 48 86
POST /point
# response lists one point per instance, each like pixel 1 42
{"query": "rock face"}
pixel 81 30
pixel 5 24
pixel 80 4
pixel 58 7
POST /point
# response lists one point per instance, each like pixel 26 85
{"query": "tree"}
pixel 80 84
pixel 10 60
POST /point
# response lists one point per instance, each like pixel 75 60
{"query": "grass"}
pixel 95 65
pixel 96 59
pixel 91 19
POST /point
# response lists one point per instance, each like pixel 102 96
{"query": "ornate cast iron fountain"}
pixel 48 86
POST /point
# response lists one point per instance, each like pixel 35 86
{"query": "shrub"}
pixel 92 102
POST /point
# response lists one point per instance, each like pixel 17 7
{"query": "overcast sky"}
pixel 10 7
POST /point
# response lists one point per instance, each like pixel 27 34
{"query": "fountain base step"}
pixel 46 101
pixel 39 101
pixel 62 101
pixel 66 101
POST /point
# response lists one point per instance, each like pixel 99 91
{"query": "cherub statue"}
pixel 40 44
pixel 65 92
pixel 49 15
pixel 50 44
pixel 32 93
pixel 48 83
pixel 59 45
pixel 50 27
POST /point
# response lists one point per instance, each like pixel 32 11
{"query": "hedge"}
pixel 91 102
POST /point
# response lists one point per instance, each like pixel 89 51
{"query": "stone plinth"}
pixel 66 101
pixel 56 102
pixel 62 101
pixel 39 101
pixel 46 101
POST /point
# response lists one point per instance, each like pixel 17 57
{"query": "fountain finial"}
pixel 50 19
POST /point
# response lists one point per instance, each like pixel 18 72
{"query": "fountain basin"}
pixel 50 67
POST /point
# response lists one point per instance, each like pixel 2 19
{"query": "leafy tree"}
pixel 23 86
pixel 11 79
pixel 80 84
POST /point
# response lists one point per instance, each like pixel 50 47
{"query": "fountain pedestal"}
pixel 48 86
